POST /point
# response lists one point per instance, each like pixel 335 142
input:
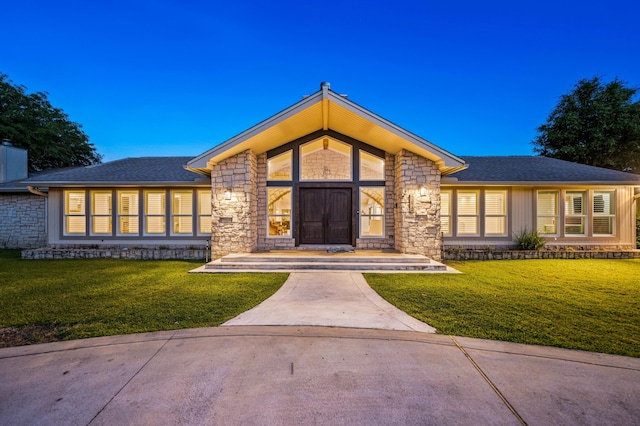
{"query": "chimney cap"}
pixel 325 84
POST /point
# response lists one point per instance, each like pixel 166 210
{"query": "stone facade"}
pixel 462 254
pixel 23 220
pixel 417 217
pixel 235 220
pixel 117 253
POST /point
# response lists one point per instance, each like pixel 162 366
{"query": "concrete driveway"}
pixel 282 375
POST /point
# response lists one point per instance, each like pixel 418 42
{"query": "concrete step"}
pixel 326 258
pixel 328 266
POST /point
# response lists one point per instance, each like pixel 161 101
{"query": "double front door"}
pixel 325 216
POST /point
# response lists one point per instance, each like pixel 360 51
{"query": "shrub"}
pixel 530 240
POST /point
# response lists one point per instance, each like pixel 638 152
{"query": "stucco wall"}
pixel 22 221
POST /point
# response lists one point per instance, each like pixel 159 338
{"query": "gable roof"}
pixel 148 171
pixel 326 110
pixel 535 170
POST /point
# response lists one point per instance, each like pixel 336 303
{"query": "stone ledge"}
pixel 111 253
pixel 464 254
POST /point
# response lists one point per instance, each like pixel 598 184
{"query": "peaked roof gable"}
pixel 326 110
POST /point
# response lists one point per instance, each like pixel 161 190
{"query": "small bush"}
pixel 530 240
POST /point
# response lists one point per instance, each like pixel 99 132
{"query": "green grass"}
pixel 593 305
pixel 70 299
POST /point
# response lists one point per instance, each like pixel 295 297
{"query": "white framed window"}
pixel 371 166
pixel 495 213
pixel 128 212
pixel 604 212
pixel 372 211
pixel 204 212
pixel 575 213
pixel 75 218
pixel 280 167
pixel 445 213
pixel 101 219
pixel 182 212
pixel 279 211
pixel 467 218
pixel 547 212
pixel 155 212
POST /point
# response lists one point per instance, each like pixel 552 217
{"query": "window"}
pixel 154 212
pixel 603 212
pixel 371 166
pixel 100 212
pixel 445 212
pixel 325 159
pixel 128 213
pixel 204 212
pixel 75 219
pixel 574 213
pixel 182 212
pixel 495 213
pixel 467 219
pixel 372 211
pixel 280 167
pixel 279 211
pixel 547 212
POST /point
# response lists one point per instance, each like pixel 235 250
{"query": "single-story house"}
pixel 327 172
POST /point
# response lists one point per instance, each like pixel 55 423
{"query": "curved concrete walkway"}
pixel 282 375
pixel 332 299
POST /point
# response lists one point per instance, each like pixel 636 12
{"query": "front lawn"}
pixel 46 300
pixel 593 305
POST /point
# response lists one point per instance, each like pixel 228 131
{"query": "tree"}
pixel 596 124
pixel 30 121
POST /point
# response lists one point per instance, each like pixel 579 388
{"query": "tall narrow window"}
pixel 101 213
pixel 279 211
pixel 75 219
pixel 204 212
pixel 182 212
pixel 495 213
pixel 445 212
pixel 154 212
pixel 372 211
pixel 467 219
pixel 547 212
pixel 603 212
pixel 574 213
pixel 371 166
pixel 280 167
pixel 128 213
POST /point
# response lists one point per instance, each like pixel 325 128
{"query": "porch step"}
pixel 315 261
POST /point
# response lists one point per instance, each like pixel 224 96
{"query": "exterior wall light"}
pixel 423 191
pixel 227 194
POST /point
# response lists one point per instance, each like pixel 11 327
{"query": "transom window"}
pixel 325 159
pixel 371 166
pixel 280 167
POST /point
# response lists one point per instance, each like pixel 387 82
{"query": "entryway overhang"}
pixel 326 110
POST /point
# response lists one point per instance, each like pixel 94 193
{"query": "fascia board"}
pixel 449 159
pixel 120 184
pixel 537 183
pixel 200 162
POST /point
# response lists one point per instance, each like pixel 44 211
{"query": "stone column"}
pixel 417 205
pixel 234 220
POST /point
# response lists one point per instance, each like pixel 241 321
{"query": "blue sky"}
pixel 168 77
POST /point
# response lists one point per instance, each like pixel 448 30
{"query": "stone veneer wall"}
pixel 388 241
pixel 417 219
pixel 265 242
pixel 22 221
pixel 234 221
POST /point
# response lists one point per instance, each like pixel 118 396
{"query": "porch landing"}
pixel 323 260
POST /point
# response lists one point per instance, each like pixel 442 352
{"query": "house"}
pixel 327 172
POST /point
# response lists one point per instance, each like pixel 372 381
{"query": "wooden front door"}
pixel 325 216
